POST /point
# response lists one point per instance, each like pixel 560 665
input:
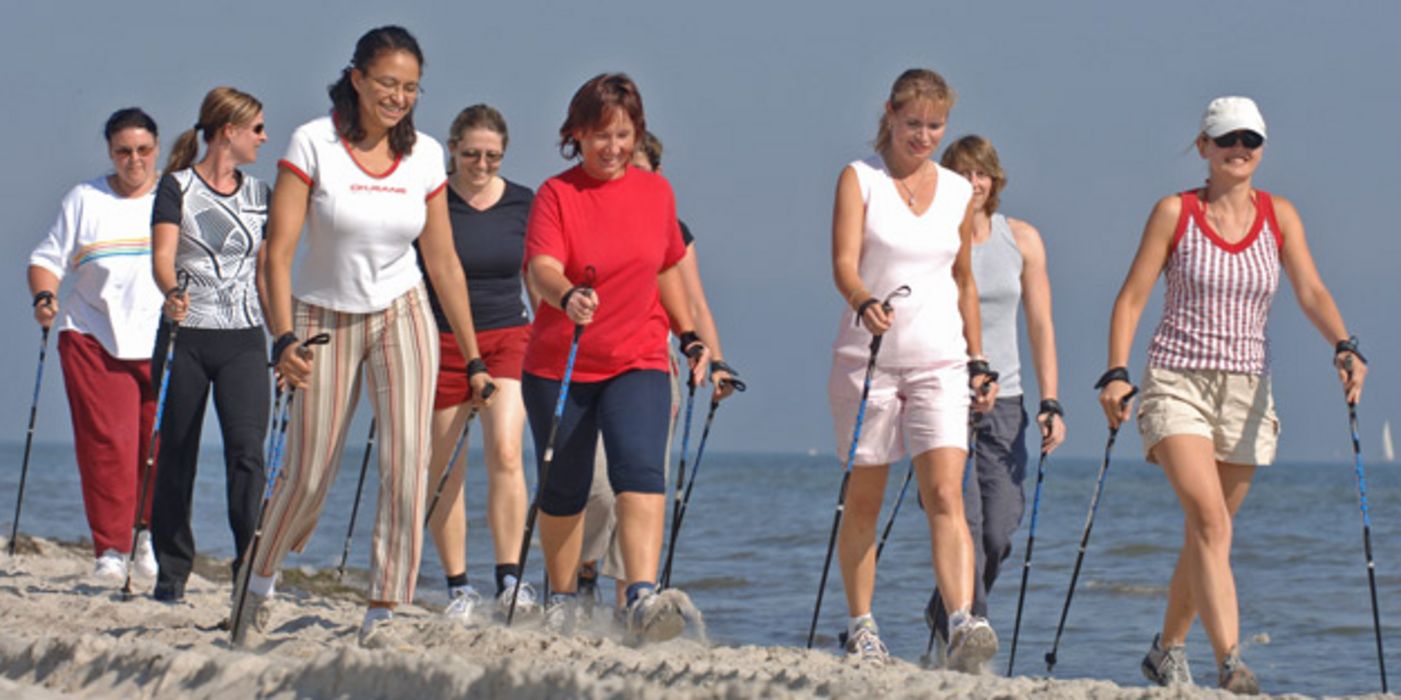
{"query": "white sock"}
pixel 852 624
pixel 262 586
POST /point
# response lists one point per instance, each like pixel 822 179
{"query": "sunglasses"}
pixel 1244 137
pixel 258 129
pixel 471 154
pixel 139 151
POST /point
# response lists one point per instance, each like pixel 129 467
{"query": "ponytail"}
pixel 183 153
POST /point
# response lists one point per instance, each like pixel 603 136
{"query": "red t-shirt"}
pixel 627 230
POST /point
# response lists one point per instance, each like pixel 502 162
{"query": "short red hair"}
pixel 592 105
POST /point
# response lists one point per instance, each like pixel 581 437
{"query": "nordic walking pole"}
pixel 452 460
pixel 685 502
pixel 139 525
pixel 281 416
pixel 665 578
pixel 901 291
pixel 29 437
pixel 359 489
pixel 549 456
pixel 1031 536
pixel 1085 536
pixel 1366 525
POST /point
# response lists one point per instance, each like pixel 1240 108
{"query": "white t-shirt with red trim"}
pixel 360 225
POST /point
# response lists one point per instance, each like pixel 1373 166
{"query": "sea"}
pixel 754 538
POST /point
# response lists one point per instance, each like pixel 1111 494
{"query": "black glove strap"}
pixel 475 366
pixel 687 341
pixel 1349 345
pixel 47 297
pixel 980 367
pixel 1050 406
pixel 861 310
pixel 1115 374
pixel 283 342
pixel 722 366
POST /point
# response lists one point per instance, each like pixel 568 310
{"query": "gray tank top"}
pixel 997 267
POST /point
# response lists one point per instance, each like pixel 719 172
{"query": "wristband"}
pixel 43 297
pixel 1115 374
pixel 283 342
pixel 978 367
pixel 174 291
pixel 687 340
pixel 722 366
pixel 1051 406
pixel 475 366
pixel 564 300
pixel 1349 345
pixel 861 310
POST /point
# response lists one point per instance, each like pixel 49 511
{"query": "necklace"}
pixel 910 193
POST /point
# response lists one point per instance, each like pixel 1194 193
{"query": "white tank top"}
pixel 900 248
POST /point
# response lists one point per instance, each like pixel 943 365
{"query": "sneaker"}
pixel 251 622
pixel 864 644
pixel 169 592
pixel 525 600
pixel 1166 667
pixel 111 565
pixel 561 613
pixel 654 618
pixel 588 595
pixel 377 631
pixel 971 642
pixel 461 604
pixel 145 556
pixel 936 656
pixel 1235 677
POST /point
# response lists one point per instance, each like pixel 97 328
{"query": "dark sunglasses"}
pixel 1244 137
pixel 258 128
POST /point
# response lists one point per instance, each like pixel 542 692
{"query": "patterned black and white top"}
pixel 219 238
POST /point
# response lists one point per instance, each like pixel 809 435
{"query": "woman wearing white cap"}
pixel 1207 414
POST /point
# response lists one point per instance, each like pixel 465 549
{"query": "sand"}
pixel 64 634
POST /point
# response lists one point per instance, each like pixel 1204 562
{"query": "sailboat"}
pixel 1388 450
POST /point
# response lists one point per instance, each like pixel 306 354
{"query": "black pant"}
pixel 235 363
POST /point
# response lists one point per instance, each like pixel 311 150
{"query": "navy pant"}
pixel 631 410
pixel 993 498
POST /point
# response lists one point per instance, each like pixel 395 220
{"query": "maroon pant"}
pixel 113 407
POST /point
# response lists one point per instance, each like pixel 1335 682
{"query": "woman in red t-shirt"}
pixel 601 250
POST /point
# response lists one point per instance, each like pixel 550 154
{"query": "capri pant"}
pixel 630 410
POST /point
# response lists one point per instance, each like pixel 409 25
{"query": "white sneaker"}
pixel 525 601
pixel 463 603
pixel 111 565
pixel 972 642
pixel 145 556
pixel 561 613
pixel 377 631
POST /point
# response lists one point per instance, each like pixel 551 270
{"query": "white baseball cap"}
pixel 1227 114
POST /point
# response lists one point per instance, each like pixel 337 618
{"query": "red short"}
pixel 502 349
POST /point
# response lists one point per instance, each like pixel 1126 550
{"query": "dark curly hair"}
pixel 345 101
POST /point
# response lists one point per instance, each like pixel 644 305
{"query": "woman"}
pixel 1207 413
pixel 602 249
pixel 1009 265
pixel 601 552
pixel 367 185
pixel 207 226
pixel 106 323
pixel 488 214
pixel 902 219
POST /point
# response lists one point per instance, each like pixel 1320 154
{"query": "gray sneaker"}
pixel 971 643
pixel 864 644
pixel 561 613
pixel 1166 667
pixel 1235 677
pixel 654 618
pixel 525 601
pixel 462 603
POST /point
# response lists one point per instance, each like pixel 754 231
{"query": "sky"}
pixel 1092 106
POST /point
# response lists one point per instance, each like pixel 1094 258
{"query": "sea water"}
pixel 752 545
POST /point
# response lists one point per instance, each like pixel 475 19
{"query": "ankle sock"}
pixel 854 623
pixel 262 585
pixel 458 581
pixel 503 572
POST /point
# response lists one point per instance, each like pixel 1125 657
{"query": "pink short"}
pixel 925 407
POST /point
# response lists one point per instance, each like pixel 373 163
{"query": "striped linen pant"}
pixel 398 349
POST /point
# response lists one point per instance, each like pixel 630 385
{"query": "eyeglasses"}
pixel 390 86
pixel 471 154
pixel 128 152
pixel 1244 137
pixel 259 128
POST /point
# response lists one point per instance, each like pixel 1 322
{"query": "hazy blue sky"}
pixel 1092 106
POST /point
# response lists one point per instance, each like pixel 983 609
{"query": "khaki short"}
pixel 1235 411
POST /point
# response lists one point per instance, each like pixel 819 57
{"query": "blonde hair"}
pixel 221 106
pixel 914 84
pixel 973 152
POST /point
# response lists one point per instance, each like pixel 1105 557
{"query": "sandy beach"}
pixel 66 634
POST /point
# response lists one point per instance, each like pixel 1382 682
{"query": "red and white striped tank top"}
pixel 1218 294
